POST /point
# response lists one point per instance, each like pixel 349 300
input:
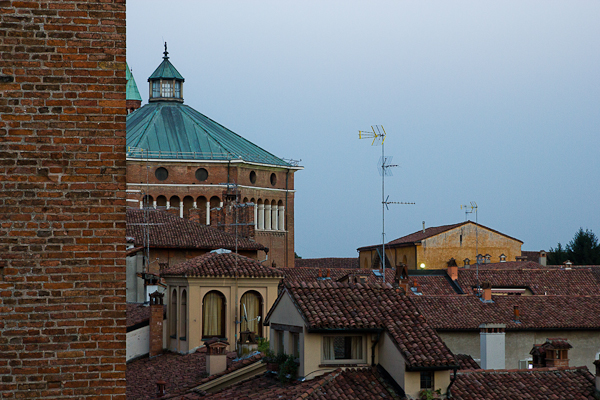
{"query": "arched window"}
pixel 148 201
pixel 183 315
pixel 161 201
pixel 173 314
pixel 188 204
pixel 213 315
pixel 251 306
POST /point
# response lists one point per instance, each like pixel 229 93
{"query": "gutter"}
pixel 432 368
pixel 344 330
pixel 448 393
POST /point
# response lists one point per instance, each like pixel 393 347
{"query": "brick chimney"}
pixel 156 323
pixel 492 344
pixel 401 277
pixel 216 356
pixel 542 257
pixel 487 291
pixel 452 269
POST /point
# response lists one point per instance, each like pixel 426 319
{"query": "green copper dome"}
pixel 171 130
pixel 132 92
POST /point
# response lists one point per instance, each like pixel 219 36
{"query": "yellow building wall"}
pixel 458 243
pixel 464 242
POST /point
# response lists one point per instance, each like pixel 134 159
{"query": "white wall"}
pixel 138 343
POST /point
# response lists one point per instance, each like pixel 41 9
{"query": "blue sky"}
pixel 492 102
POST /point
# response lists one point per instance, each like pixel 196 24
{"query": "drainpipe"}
pixel 287 174
pixel 373 349
pixel 448 393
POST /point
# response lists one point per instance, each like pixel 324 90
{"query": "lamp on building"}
pixel 422 265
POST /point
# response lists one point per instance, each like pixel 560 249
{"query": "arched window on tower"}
pixel 213 315
pixel 281 215
pixel 188 204
pixel 161 201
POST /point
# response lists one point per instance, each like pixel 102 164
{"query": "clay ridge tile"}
pixel 222 265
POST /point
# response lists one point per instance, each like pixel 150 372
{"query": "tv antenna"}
pixel 469 209
pixel 384 166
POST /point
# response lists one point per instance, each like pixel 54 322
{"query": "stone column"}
pixel 255 216
pixel 274 220
pixel 261 217
pixel 281 218
pixel 267 217
pixel 208 212
pixel 168 204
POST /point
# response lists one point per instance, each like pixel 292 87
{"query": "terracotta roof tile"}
pixel 222 265
pixel 181 373
pixel 326 262
pixel 363 383
pixel 169 231
pixel 429 285
pixel 465 361
pixel 335 305
pixel 535 384
pixel 549 281
pixel 462 312
pixel 310 274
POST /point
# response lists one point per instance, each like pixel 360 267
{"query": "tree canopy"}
pixel 583 249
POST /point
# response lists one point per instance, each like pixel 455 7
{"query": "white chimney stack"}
pixel 492 343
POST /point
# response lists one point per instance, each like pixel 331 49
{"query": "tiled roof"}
pixel 138 313
pixel 435 285
pixel 534 384
pixel 326 262
pixel 531 255
pixel 509 265
pixel 363 383
pixel 549 281
pixel 222 265
pixel 334 305
pixel 169 231
pixel 179 371
pixel 429 232
pixel 467 312
pixel 310 274
pixel 465 361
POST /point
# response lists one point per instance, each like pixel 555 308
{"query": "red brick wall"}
pixel 62 199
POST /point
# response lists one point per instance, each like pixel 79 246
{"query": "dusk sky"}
pixel 492 102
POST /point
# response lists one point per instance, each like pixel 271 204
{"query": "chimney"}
pixel 516 315
pixel 487 291
pixel 597 364
pixel 161 388
pixel 452 269
pixel 156 323
pixel 423 226
pixel 492 344
pixel 542 258
pixel 216 356
pixel 401 277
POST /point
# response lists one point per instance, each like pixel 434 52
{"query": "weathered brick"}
pixel 62 199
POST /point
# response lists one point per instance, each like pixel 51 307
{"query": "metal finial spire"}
pixel 166 57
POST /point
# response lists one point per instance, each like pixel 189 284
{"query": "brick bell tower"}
pixel 182 161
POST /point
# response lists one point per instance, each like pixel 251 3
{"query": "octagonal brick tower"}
pixel 180 160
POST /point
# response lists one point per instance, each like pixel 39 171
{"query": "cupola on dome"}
pixel 166 83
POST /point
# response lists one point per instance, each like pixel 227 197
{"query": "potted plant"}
pixel 430 394
pixel 288 370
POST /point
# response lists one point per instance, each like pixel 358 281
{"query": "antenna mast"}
pixel 473 206
pixel 378 134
